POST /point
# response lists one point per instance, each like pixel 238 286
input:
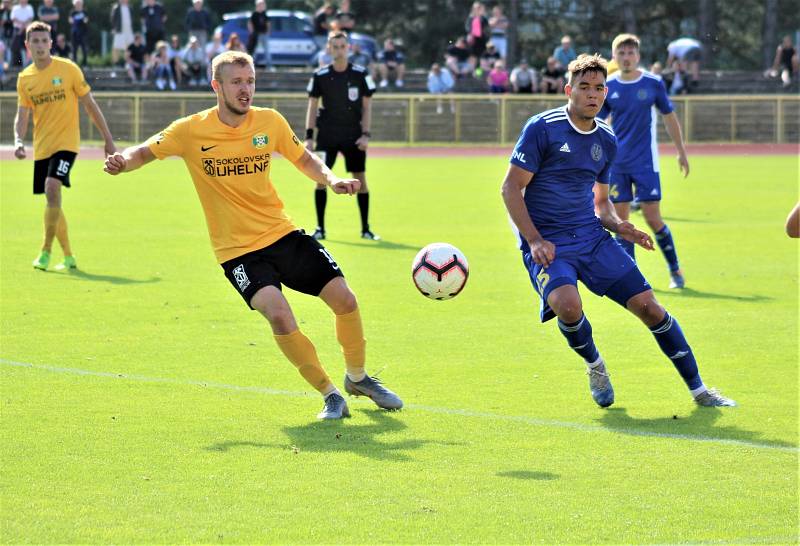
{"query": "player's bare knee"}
pixel 568 307
pixel 339 297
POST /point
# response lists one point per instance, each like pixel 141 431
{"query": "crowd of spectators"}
pixel 139 43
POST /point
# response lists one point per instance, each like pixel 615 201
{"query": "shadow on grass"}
pixel 79 274
pixel 529 475
pixel 692 293
pixel 344 435
pixel 686 220
pixel 700 425
pixel 380 245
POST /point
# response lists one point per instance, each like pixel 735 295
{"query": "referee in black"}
pixel 342 122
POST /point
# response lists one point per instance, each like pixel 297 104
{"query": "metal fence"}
pixel 453 119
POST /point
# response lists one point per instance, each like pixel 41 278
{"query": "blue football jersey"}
pixel 565 162
pixel 632 105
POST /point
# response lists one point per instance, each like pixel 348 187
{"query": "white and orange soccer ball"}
pixel 440 271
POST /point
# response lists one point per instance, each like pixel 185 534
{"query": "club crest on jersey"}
pixel 208 166
pixel 597 152
pixel 641 94
pixel 352 93
pixel 260 140
pixel 57 80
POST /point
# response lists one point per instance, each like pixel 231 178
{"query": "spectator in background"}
pixel 153 18
pixel 391 63
pixel 459 59
pixel 6 30
pixel 137 59
pixel 198 22
pixel 21 16
pixel 498 25
pixel 322 24
pixel 258 25
pixel 194 62
pixel 234 43
pixel 175 59
pixel 489 57
pixel 161 67
pixel 79 27
pixel 440 82
pixel 565 53
pixel 524 79
pixel 214 47
pixel 477 27
pixel 785 61
pixel 498 78
pixel 48 13
pixel 61 47
pixel 688 52
pixel 675 79
pixel 656 68
pixel 358 57
pixel 552 77
pixel 345 19
pixel 121 28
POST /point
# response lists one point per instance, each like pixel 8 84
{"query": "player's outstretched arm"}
pixel 542 251
pixel 675 133
pixel 313 167
pixel 20 130
pixel 99 121
pixel 607 214
pixel 128 160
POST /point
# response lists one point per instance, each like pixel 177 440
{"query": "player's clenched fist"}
pixel 346 185
pixel 115 163
pixel 543 252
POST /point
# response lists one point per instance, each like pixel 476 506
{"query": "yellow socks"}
pixel 350 334
pixel 301 352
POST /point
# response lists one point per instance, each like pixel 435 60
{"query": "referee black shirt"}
pixel 341 94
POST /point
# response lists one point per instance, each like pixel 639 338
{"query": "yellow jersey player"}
pixel 228 151
pixel 51 88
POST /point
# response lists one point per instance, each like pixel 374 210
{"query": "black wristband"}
pixel 366 134
pixel 309 134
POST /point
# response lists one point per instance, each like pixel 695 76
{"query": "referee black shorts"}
pixel 56 166
pixel 328 147
pixel 296 260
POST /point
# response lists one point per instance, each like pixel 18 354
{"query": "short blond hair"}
pixel 36 26
pixel 625 40
pixel 587 63
pixel 238 58
pixel 336 34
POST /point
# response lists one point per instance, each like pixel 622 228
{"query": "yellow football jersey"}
pixel 230 168
pixel 53 95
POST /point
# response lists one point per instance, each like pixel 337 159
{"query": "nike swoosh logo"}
pixel 204 149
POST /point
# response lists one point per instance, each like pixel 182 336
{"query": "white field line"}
pixel 429 409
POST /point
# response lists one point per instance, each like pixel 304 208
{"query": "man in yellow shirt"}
pixel 228 151
pixel 51 88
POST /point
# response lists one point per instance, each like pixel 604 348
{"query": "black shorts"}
pixel 296 260
pixel 57 166
pixel 355 160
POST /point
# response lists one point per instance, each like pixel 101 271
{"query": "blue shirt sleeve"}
pixel 663 103
pixel 611 152
pixel 531 146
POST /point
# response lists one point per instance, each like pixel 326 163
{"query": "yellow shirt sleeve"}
pixel 79 86
pixel 288 145
pixel 24 99
pixel 171 140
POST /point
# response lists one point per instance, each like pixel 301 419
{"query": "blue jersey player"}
pixel 556 192
pixel 634 95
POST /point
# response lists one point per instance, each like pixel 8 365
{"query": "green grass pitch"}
pixel 143 402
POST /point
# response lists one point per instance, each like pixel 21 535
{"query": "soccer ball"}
pixel 440 271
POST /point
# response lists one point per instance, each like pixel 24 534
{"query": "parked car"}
pixel 368 45
pixel 291 35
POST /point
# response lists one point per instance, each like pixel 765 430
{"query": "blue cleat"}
pixel 372 388
pixel 677 280
pixel 600 385
pixel 335 407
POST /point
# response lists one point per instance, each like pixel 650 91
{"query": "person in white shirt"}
pixel 21 16
pixel 524 79
pixel 689 52
pixel 122 29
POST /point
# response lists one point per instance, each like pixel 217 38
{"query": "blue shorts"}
pixel 600 264
pixel 648 187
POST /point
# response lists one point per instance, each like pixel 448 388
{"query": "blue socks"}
pixel 673 343
pixel 627 246
pixel 664 240
pixel 579 338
